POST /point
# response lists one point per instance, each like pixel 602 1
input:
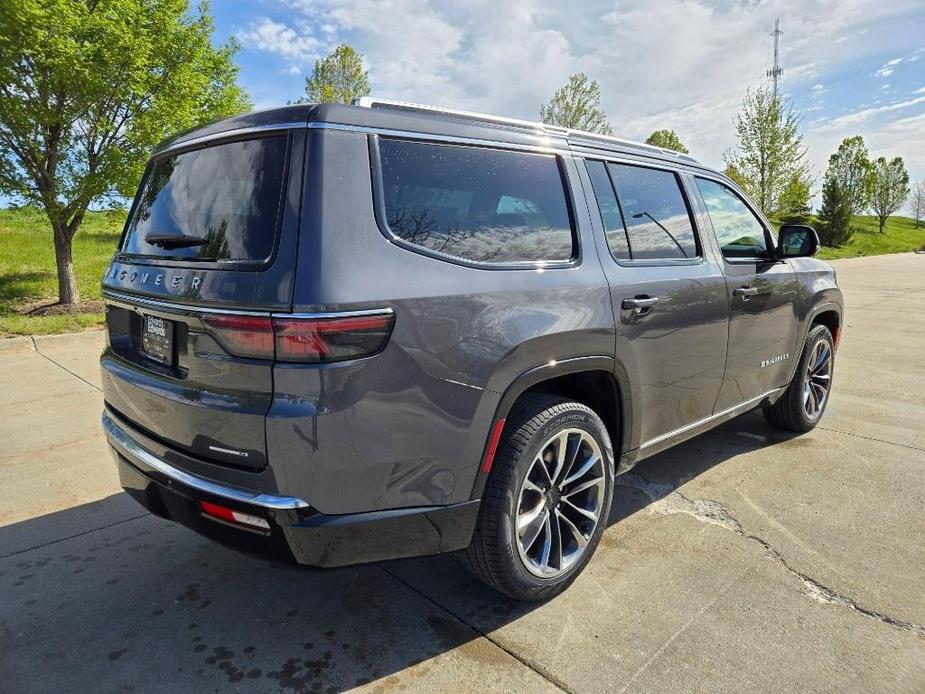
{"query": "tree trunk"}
pixel 882 221
pixel 67 278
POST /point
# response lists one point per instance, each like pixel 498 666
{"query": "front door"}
pixel 669 297
pixel 763 295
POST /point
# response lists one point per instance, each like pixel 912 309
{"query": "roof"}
pixel 405 117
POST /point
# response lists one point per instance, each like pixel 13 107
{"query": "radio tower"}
pixel 775 72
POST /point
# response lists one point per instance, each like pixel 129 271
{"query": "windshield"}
pixel 219 203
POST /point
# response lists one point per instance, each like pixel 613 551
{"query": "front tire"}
pixel 546 502
pixel 803 403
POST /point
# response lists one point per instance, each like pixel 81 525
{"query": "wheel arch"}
pixel 599 382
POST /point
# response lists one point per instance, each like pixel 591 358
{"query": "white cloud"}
pixel 264 34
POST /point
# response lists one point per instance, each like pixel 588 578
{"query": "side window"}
pixel 478 204
pixel 738 230
pixel 610 210
pixel 658 223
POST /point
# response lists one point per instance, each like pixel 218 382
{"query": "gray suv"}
pixel 341 334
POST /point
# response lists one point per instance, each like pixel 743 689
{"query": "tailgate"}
pixel 212 234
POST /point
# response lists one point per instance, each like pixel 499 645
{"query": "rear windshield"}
pixel 220 203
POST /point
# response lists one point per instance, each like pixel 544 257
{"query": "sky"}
pixel 851 67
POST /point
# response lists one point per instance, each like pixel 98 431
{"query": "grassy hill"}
pixel 28 281
pixel 899 236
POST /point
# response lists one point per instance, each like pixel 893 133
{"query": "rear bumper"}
pixel 296 532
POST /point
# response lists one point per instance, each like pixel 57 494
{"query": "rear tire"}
pixel 803 403
pixel 525 495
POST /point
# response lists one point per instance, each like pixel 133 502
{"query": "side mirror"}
pixel 797 241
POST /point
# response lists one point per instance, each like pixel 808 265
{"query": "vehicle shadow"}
pixel 99 598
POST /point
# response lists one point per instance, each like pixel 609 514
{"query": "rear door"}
pixel 669 297
pixel 207 254
pixel 762 293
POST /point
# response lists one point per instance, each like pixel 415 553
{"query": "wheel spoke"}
pixel 590 515
pixel 582 470
pixel 541 464
pixel 533 486
pixel 573 529
pixel 534 528
pixel 587 484
pixel 547 543
pixel 525 519
pixel 561 455
pixel 574 449
pixel 556 554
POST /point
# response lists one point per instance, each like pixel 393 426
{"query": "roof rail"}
pixel 375 102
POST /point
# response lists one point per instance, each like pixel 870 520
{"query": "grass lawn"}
pixel 899 236
pixel 27 262
pixel 27 268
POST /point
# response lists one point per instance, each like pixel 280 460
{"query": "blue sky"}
pixel 851 67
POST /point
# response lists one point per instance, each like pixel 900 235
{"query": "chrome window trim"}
pixel 135 302
pixel 700 422
pixel 227 134
pixel 127 446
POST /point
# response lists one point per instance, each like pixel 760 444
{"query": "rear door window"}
pixel 216 204
pixel 474 203
pixel 611 216
pixel 658 222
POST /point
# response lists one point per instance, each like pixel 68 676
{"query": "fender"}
pixel 808 321
pixel 553 369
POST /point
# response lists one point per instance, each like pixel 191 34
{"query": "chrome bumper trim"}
pixel 127 446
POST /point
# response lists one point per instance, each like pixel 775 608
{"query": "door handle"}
pixel 640 305
pixel 745 292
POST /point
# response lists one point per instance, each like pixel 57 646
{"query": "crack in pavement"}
pixel 35 346
pixel 667 500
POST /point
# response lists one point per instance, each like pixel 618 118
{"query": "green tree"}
pixel 667 139
pixel 851 168
pixel 577 105
pixel 734 175
pixel 793 203
pixel 846 190
pixel 338 78
pixel 835 215
pixel 770 149
pixel 891 188
pixel 88 88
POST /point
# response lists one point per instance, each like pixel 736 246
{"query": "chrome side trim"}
pixel 127 446
pixel 729 411
pixel 134 301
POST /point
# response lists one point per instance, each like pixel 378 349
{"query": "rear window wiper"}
pixel 174 240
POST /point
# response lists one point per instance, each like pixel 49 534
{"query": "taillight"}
pixel 246 336
pixel 303 339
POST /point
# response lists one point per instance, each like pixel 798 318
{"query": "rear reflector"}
pixel 302 339
pixel 231 516
pixel 492 447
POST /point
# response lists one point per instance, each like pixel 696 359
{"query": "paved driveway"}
pixel 744 559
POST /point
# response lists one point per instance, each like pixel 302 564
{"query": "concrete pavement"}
pixel 744 559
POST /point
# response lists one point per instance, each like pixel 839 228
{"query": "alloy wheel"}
pixel 817 380
pixel 559 504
